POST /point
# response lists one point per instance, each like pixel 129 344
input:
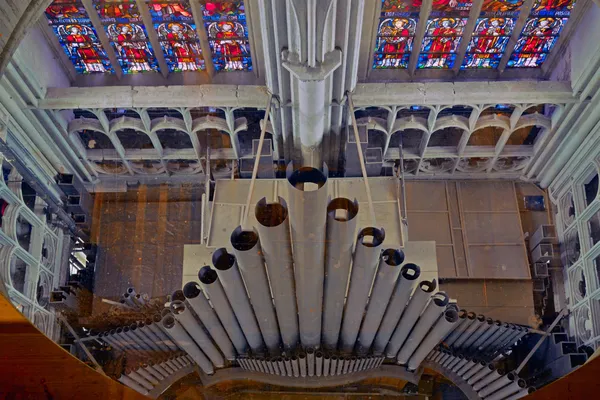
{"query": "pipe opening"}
pixel 306 178
pixel 462 313
pixel 168 321
pixel 451 315
pixel 177 307
pixel 119 330
pixel 148 321
pixel 521 383
pixel 481 318
pixel 319 354
pixel 301 356
pixel 271 215
pixel 511 376
pixel 130 290
pixel 126 329
pixel 393 257
pixel 371 237
pixel 428 286
pixel 165 311
pixel 178 295
pixel 243 240
pixel 334 358
pixel 112 332
pixel 191 290
pixel 207 275
pixel 489 321
pixel 471 315
pixel 310 351
pixel 156 318
pixel 294 358
pixel 222 260
pixel 498 323
pixel 410 271
pixel 342 209
pixel 441 299
pixel 141 324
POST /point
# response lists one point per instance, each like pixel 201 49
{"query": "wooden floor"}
pixel 140 236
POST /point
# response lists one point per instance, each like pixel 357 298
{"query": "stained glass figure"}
pixel 396 32
pixel 166 11
pixel 441 41
pixel 552 8
pixel 537 39
pixel 133 50
pixel 499 7
pixel 225 23
pixel 77 37
pixel 118 11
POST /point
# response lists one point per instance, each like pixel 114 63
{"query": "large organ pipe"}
pixel 184 316
pixel 404 288
pixel 212 287
pixel 429 316
pixel 410 316
pixel 364 265
pixel 341 227
pixel 465 319
pixel 247 250
pixel 207 315
pixel 440 329
pixel 307 194
pixel 185 342
pixel 231 280
pixel 385 281
pixel 273 230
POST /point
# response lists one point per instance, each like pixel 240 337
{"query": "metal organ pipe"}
pixel 385 281
pixel 187 343
pixel 247 250
pixel 127 381
pixel 133 328
pixel 145 329
pixel 273 230
pixel 483 327
pixel 440 329
pixel 310 360
pixel 195 298
pixel 429 316
pixel 212 287
pixel 510 390
pixel 497 384
pixel 231 279
pixel 466 319
pixel 489 378
pixel 487 334
pixel 473 370
pixel 307 194
pixel 492 339
pixel 302 362
pixel 159 331
pixel 319 363
pixel 326 364
pixel 364 265
pixel 410 315
pixel 469 331
pixel 404 288
pixel 341 226
pixel 184 316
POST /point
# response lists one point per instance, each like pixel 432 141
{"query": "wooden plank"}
pixel 487 196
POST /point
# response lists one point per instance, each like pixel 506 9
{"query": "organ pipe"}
pixel 400 297
pixel 307 194
pixel 497 384
pixel 127 381
pixel 310 360
pixel 274 234
pixel 440 329
pixel 466 319
pixel 385 281
pixel 364 265
pixel 341 227
pixel 156 327
pixel 487 334
pixel 469 331
pixel 483 327
pixel 247 251
pixel 185 342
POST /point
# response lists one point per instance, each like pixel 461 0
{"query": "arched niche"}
pixel 376 139
pixel 199 112
pixel 154 113
pixel 94 140
pixel 174 139
pixel 215 138
pixel 416 111
pixel 116 113
pixel 43 288
pixel 132 139
pixel 524 136
pixel 29 195
pixel 24 232
pixel 498 109
pixel 373 112
pixel 446 137
pixel 147 167
pixel 459 110
pixel 486 136
pixel 19 274
pixel 409 138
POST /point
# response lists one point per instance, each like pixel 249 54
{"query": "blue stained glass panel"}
pixel 481 60
pixel 132 48
pixel 524 60
pixel 435 60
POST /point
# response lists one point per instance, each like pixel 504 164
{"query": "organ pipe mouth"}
pixel 177 295
pixel 451 315
pixel 489 321
pixel 126 329
pixel 498 323
pixel 168 321
pixel 207 275
pixel 271 215
pixel 243 240
pixel 133 327
pixel 428 286
pixel 342 209
pixel 393 257
pixel 222 260
pixel 191 290
pixel 441 299
pixel 177 307
pixel 375 236
pixel 298 178
pixel 410 271
pixel 301 356
pixel 319 354
pixel 310 351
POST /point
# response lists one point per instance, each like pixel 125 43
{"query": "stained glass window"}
pixel 396 32
pixel 127 34
pixel 540 33
pixel 492 33
pixel 174 24
pixel 225 23
pixel 443 33
pixel 77 36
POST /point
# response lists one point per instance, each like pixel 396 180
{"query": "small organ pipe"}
pixel 288 366
pixel 326 364
pixel 362 364
pixel 467 366
pixel 310 361
pixel 497 384
pixel 485 371
pixel 444 358
pixel 460 364
pixel 195 298
pixel 511 339
pixel 385 280
pixel 520 394
pixel 150 345
pixel 380 361
pixel 352 364
pixel 146 375
pixel 440 329
pixel 295 366
pixel 139 379
pixel 307 194
pixel 161 369
pixel 319 363
pixel 466 319
pixel 281 366
pixel 492 339
pixel 508 390
pixel 212 287
pixel 184 316
pixel 430 315
pixel 492 347
pixel 483 327
pixel 449 361
pixel 340 366
pixel 473 370
pixel 145 329
pixel 133 340
pixel 275 366
pixel 341 227
pixel 270 367
pixel 302 361
pixel 469 331
pixel 156 327
pixel 333 366
pixel 274 234
pixel 155 372
pixel 247 251
pixel 409 317
pixel 185 342
pixel 364 265
pixel 456 360
pixel 486 380
pixel 487 334
pixel 263 365
pixel 231 279
pixel 127 381
pixel 346 365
